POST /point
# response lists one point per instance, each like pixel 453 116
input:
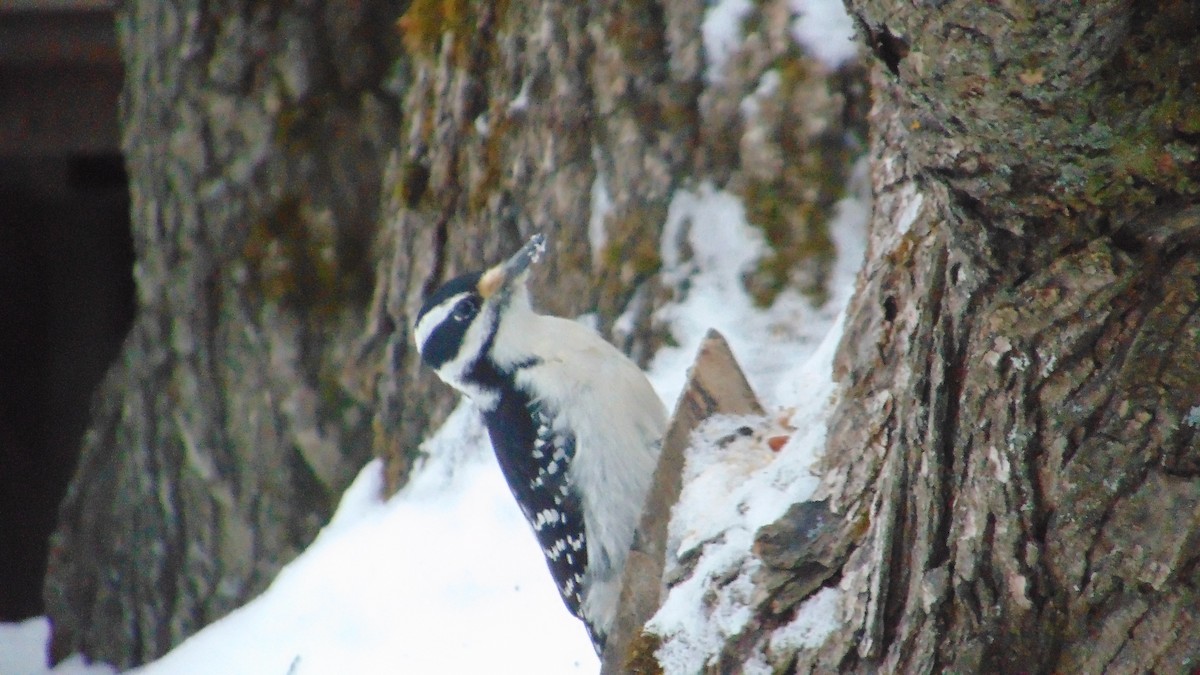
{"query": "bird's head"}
pixel 458 322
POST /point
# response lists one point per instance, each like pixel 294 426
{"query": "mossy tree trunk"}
pixel 1016 454
pixel 255 134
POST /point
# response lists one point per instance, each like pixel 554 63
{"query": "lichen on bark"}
pixel 1019 360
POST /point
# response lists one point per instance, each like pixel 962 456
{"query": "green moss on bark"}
pixel 294 260
pixel 794 205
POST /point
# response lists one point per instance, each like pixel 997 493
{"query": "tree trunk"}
pixel 255 135
pixel 1015 456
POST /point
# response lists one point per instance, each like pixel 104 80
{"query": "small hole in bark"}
pixel 414 184
pixel 1127 241
pixel 889 308
pixel 954 270
pixel 889 48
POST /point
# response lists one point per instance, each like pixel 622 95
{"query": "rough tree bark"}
pixel 254 134
pixel 1016 455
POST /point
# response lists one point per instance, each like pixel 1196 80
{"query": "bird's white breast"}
pixel 618 420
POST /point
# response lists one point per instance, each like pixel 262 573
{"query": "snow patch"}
pixel 699 614
pixel 23 652
pixel 722 33
pixel 443 577
pixel 734 483
pixel 601 207
pixel 912 208
pixel 707 246
pixel 815 619
pixel 725 452
pixel 824 29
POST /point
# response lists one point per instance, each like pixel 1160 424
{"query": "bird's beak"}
pixel 502 275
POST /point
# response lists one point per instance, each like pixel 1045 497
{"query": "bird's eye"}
pixel 465 310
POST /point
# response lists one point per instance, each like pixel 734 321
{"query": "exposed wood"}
pixel 715 385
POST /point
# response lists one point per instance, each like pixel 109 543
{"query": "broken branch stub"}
pixel 716 385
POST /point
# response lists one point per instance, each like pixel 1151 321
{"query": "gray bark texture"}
pixel 1015 462
pixel 255 134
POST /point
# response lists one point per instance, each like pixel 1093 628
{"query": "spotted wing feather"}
pixel 535 458
pixel 556 512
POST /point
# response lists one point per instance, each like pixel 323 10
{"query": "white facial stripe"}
pixel 433 318
pixel 453 372
pixel 472 345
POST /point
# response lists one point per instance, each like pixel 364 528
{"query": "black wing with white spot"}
pixel 535 460
pixel 556 513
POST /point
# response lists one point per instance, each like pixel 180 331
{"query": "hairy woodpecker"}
pixel 574 423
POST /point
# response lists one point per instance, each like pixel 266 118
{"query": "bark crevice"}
pixel 1054 333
